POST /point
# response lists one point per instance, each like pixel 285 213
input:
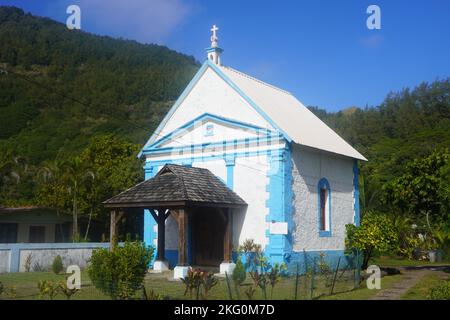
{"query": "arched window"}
pixel 324 193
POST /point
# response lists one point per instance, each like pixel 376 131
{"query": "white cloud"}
pixel 142 20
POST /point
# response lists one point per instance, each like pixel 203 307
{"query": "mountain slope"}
pixel 63 87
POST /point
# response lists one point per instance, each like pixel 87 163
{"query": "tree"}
pixel 375 234
pixel 422 189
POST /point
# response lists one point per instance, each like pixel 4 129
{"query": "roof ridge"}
pixel 184 190
pixel 257 80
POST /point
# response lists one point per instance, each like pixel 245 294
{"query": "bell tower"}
pixel 214 51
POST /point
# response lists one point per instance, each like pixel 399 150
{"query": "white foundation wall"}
pixel 213 95
pixel 309 166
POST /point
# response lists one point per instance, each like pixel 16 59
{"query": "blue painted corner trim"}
pixel 323 183
pixel 279 204
pixel 357 218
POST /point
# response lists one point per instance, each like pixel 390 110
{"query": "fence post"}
pixel 335 275
pixel 228 286
pixel 296 282
pixel 357 271
pixel 313 271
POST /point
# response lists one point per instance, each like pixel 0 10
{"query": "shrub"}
pixel 2 288
pixel 239 276
pixel 121 271
pixel 47 288
pixel 57 265
pixel 68 293
pixel 440 292
pixel 376 234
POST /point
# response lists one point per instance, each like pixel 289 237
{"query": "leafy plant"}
pixel 209 280
pixel 239 276
pixel 28 261
pixel 274 276
pixel 440 292
pixel 120 272
pixel 197 279
pixel 151 295
pixel 57 265
pixel 376 233
pixel 68 293
pixel 47 288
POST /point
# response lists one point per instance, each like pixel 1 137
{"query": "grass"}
pixel 388 261
pixel 362 293
pixel 25 285
pixel 421 290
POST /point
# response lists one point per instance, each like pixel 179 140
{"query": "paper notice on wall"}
pixel 278 228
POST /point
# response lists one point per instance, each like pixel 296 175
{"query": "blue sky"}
pixel 319 50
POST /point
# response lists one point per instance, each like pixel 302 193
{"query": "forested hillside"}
pixel 60 88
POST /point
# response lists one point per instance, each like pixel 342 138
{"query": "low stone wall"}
pixel 18 257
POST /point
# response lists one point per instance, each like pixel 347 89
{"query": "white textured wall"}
pixel 171 234
pixel 309 166
pixel 213 95
pixel 44 257
pixel 5 255
pixel 250 181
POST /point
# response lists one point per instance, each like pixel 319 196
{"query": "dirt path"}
pixel 409 279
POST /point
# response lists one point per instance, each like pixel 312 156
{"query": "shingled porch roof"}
pixel 177 186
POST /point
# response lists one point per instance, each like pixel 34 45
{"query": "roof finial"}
pixel 214 51
pixel 214 37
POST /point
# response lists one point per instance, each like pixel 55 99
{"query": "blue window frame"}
pixel 209 130
pixel 324 206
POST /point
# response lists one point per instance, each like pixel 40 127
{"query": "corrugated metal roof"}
pixel 297 121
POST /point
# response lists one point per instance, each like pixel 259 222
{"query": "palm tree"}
pixel 75 176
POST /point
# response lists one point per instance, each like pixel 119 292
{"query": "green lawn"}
pixel 387 261
pixel 25 287
pixel 421 290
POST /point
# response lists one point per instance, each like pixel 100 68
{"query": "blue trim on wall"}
pixel 306 259
pixel 204 118
pixel 357 217
pixel 279 204
pixel 230 162
pixel 202 158
pixel 202 146
pixel 324 183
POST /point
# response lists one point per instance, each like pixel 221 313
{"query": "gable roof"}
pixel 177 185
pixel 297 121
pixel 279 107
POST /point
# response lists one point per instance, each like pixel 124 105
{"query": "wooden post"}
pixel 182 237
pixel 228 237
pixel 112 230
pixel 114 222
pixel 161 235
